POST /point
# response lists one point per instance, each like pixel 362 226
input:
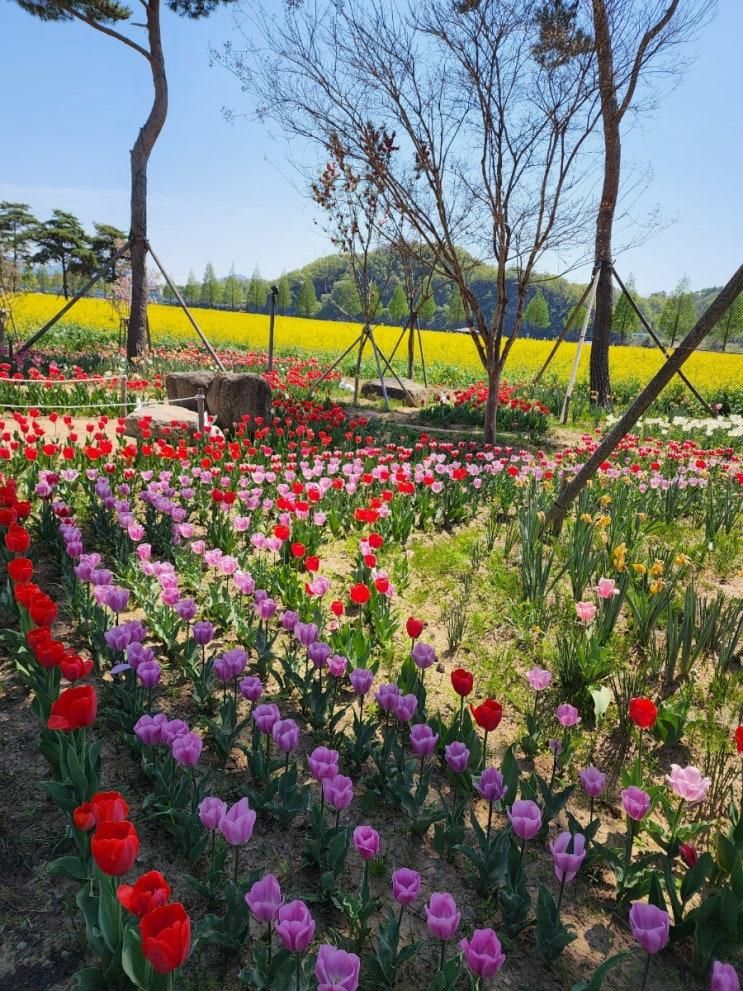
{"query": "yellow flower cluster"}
pixel 250 330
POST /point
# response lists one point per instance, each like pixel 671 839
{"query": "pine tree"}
pixel 209 286
pixel 397 308
pixel 624 319
pixel 17 225
pixel 232 290
pixel 307 300
pixel 256 293
pixel 192 289
pixel 346 297
pixel 62 241
pixel 679 313
pixel 455 315
pixel 284 300
pixel 104 244
pixel 537 313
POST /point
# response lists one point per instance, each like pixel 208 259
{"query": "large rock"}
pixel 406 391
pixel 234 395
pixel 184 385
pixel 160 421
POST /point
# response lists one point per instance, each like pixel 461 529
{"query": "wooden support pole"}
pixel 579 348
pixel 563 333
pixel 200 409
pixel 663 348
pixel 176 292
pixel 708 320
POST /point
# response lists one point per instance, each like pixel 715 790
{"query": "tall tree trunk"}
pixel 65 291
pixel 140 156
pixel 491 406
pixel 412 320
pixel 599 365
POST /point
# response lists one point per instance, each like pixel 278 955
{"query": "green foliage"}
pixel 211 290
pixel 679 313
pixel 625 320
pixel 256 293
pixel 397 308
pixel 307 300
pixel 284 299
pixel 537 312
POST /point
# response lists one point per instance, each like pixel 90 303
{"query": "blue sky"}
pixel 73 101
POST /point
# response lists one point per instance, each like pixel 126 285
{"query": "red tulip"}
pixel 360 594
pixel 312 563
pixel 298 550
pixel 462 682
pixel 50 654
pixel 414 627
pixel 42 610
pixel 643 712
pixel 739 739
pixel 281 531
pixel 74 667
pixel 336 607
pixel 109 806
pixel 83 817
pixel 375 540
pixel 115 846
pixel 37 637
pixel 146 894
pixel 166 937
pixel 17 539
pixel 25 593
pixel 688 853
pixel 20 569
pixel 74 709
pixel 488 715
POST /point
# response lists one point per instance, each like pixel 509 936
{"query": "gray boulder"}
pixel 411 393
pixel 234 395
pixel 183 385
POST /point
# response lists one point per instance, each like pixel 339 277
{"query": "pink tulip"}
pixel 688 783
pixel 636 802
pixel 423 740
pixel 236 825
pixel 336 970
pixel 567 715
pixel 406 885
pixel 724 977
pixel 593 781
pixel 366 842
pixel 538 679
pixel 568 853
pixel 285 733
pixel 296 927
pixel 442 915
pixel 338 791
pixel 607 588
pixel 483 953
pixel 264 898
pixel 323 763
pixel 586 611
pixel 526 818
pixel 650 926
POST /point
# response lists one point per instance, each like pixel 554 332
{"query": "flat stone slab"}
pixel 163 420
pixel 412 393
pixel 236 396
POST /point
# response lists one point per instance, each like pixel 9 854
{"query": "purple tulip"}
pixel 319 653
pixel 491 786
pixel 538 679
pixel 149 673
pixel 265 715
pixel 406 885
pixel 203 632
pixel 366 841
pixel 387 695
pixel 405 707
pixel 289 620
pixel 186 609
pixel 593 781
pixel 338 791
pixel 636 802
pixel 457 756
pixel 149 729
pixel 211 811
pixel 296 927
pixel 337 665
pixel 568 853
pixel 265 609
pixel 423 740
pixel 236 825
pixel 172 729
pixel 336 970
pixel 136 654
pixel 567 715
pixel 117 598
pixel 424 656
pixel 723 977
pixel 285 733
pixel 442 915
pixel 650 926
pixel 117 638
pixel 361 680
pixel 186 749
pixel 264 898
pixel 526 818
pixel 483 953
pixel 323 763
pixel 306 633
pixel 251 688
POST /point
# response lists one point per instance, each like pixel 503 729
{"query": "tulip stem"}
pixel 237 863
pixel 268 936
pixel 399 919
pixel 645 973
pixel 521 852
pixel 299 973
pixel 461 713
pixel 590 806
pixel 485 748
pixel 443 955
pixel 559 897
pixel 628 848
pixel 490 821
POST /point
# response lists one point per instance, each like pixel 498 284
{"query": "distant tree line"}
pixel 56 255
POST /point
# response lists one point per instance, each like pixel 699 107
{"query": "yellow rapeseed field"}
pixel 710 371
